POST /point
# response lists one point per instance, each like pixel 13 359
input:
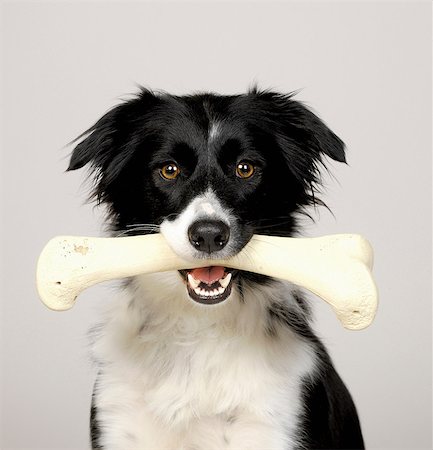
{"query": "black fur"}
pixel 331 420
pixel 285 140
pixel 94 428
pixel 286 143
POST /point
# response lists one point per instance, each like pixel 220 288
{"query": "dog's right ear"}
pixel 98 142
pixel 108 144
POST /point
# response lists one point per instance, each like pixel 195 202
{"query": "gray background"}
pixel 364 67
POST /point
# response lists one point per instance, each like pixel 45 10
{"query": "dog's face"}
pixel 207 171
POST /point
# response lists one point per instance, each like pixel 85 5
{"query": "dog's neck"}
pixel 164 297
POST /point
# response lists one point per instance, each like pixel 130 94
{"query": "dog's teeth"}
pixel 193 282
pixel 224 282
pixel 205 292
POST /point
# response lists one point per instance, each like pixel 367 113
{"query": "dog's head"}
pixel 208 171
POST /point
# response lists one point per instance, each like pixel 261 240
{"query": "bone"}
pixel 337 268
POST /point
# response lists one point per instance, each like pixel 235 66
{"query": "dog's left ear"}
pixel 294 125
pixel 314 132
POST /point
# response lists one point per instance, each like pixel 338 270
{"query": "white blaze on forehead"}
pixel 202 207
pixel 213 131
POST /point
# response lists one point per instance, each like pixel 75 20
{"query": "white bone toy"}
pixel 337 268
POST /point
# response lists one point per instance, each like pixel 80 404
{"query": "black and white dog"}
pixel 213 358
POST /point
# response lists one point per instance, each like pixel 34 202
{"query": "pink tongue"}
pixel 208 274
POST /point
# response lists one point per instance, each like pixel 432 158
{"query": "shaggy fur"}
pixel 247 373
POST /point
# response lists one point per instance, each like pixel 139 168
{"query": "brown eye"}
pixel 245 170
pixel 170 171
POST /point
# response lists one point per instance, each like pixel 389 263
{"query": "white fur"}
pixel 214 131
pixel 179 375
pixel 205 206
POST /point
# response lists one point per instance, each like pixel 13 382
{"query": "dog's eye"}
pixel 245 170
pixel 170 171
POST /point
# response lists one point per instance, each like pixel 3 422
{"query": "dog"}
pixel 212 358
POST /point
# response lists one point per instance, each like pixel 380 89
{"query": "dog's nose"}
pixel 208 235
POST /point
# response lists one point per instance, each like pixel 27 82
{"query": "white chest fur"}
pixel 177 375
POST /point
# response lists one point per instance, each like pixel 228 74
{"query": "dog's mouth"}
pixel 209 285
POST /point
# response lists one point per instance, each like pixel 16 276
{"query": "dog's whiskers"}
pixel 142 227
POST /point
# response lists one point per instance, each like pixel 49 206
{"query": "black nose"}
pixel 209 235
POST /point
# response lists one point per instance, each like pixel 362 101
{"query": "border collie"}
pixel 212 358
